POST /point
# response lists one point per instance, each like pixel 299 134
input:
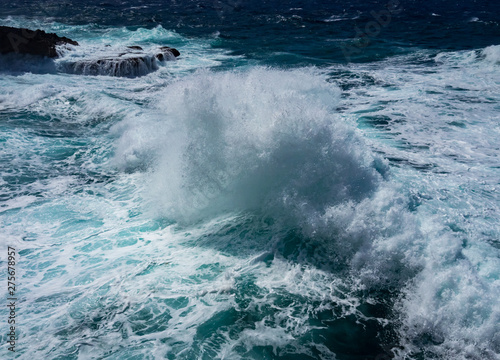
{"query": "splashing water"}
pixel 216 208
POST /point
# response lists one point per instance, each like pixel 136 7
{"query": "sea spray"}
pixel 255 263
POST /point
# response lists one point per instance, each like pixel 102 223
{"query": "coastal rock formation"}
pixel 113 66
pixel 132 62
pixel 128 61
pixel 166 50
pixel 25 41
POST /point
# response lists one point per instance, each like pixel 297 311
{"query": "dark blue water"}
pixel 308 180
pixel 313 32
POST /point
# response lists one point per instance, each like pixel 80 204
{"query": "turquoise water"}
pixel 252 202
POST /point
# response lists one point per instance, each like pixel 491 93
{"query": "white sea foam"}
pixel 104 274
pixel 222 145
pixel 492 54
pixel 441 123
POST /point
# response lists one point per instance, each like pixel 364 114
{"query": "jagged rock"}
pixel 25 41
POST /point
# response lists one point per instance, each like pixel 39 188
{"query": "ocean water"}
pixel 307 180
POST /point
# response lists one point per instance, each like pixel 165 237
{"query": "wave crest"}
pixel 258 139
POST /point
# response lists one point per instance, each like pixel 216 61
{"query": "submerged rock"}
pixel 25 41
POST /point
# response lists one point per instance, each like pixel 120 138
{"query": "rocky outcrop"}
pixel 166 49
pixel 128 61
pixel 24 41
pixel 113 66
pixel 133 62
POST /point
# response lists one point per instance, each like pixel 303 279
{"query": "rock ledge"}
pixel 25 41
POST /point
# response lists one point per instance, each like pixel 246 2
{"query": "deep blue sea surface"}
pixel 307 180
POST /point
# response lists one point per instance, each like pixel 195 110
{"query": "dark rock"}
pixel 125 64
pixel 135 47
pixel 113 66
pixel 165 56
pixel 24 41
pixel 175 52
pixel 131 61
